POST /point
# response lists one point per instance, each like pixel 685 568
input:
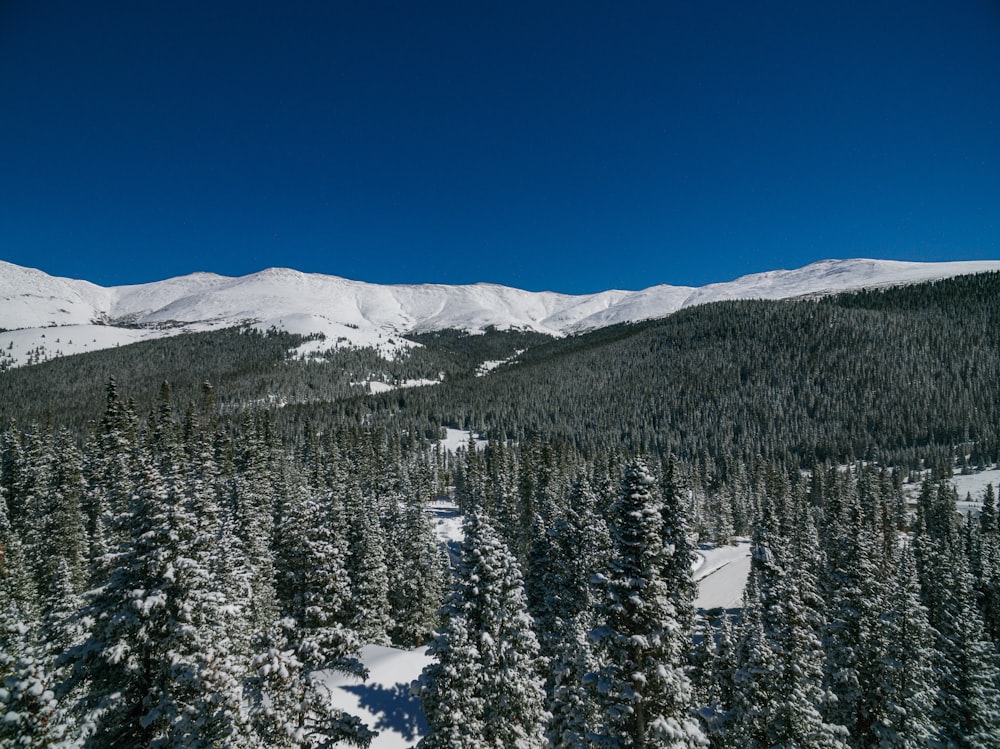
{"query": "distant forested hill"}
pixel 247 369
pixel 907 374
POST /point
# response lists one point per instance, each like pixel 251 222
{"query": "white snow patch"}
pixel 383 702
pixel 488 366
pixel 722 575
pixel 974 484
pixel 35 345
pixel 374 386
pixel 456 438
pixel 448 525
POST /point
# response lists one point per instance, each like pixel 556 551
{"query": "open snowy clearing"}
pixel 969 488
pixel 456 438
pixel 384 701
pixel 973 485
pixel 488 366
pixel 33 345
pixel 722 575
pixel 374 386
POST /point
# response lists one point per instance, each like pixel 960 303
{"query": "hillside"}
pixel 904 373
pixel 907 373
pixel 45 317
pixel 245 537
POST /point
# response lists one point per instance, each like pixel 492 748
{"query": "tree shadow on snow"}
pixel 394 708
pixel 714 616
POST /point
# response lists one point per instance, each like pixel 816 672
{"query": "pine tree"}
pixel 855 641
pixel 678 549
pixel 778 682
pixel 288 707
pixel 417 584
pixel 906 686
pixel 68 523
pixel 753 700
pixel 251 511
pixel 565 558
pixel 967 698
pixel 969 701
pixel 110 471
pixel 705 683
pixel 155 663
pixel 370 579
pixel 644 693
pixel 796 720
pixel 485 689
pixel 571 705
pixel 716 711
pixel 540 566
pixel 987 567
pixel 28 705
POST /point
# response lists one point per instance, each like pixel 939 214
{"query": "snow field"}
pixel 456 438
pixel 722 575
pixel 973 484
pixel 362 314
pixel 383 701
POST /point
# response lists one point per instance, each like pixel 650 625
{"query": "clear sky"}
pixel 572 146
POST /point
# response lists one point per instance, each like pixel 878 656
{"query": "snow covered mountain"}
pixel 45 316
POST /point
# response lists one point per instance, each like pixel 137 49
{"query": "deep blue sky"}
pixel 572 146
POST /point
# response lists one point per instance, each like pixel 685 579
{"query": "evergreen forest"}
pixel 193 528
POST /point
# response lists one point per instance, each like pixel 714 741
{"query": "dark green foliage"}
pixel 69 391
pixel 485 689
pixel 967 664
pixel 250 370
pixel 642 690
pixel 459 354
pixel 836 379
pixel 215 572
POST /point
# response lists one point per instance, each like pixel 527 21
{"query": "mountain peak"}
pixel 364 314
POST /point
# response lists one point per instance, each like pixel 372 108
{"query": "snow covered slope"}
pixel 32 303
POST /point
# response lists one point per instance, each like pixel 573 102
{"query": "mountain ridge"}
pixel 345 311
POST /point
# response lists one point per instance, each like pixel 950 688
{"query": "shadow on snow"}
pixel 394 708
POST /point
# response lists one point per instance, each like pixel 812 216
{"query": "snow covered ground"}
pixel 374 386
pixel 973 484
pixel 722 575
pixel 448 526
pixel 384 701
pixel 456 438
pixel 488 366
pixel 34 345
